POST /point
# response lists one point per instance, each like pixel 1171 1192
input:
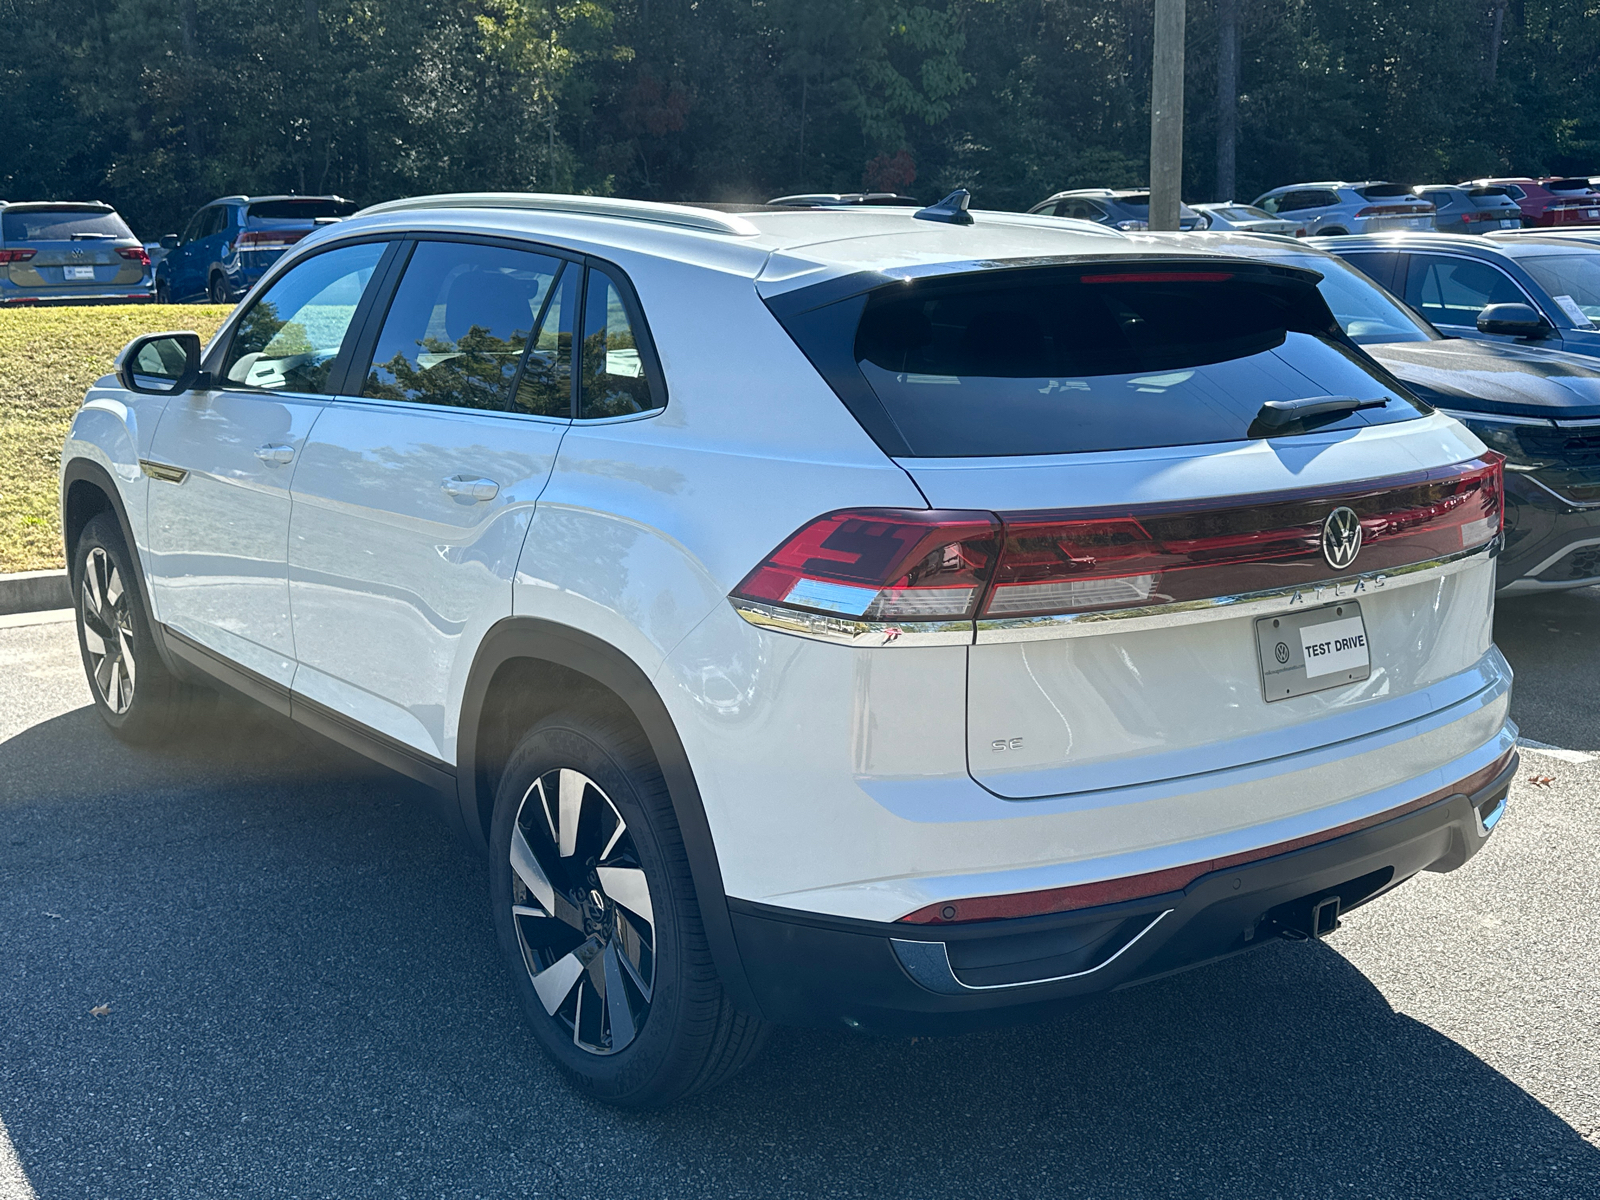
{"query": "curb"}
pixel 33 591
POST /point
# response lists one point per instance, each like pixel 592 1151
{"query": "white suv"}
pixel 883 619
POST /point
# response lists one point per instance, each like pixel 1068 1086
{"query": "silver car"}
pixel 1471 208
pixel 1232 217
pixel 1329 209
pixel 54 253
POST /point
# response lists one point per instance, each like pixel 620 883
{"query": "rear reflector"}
pixel 932 565
pixel 12 256
pixel 1174 879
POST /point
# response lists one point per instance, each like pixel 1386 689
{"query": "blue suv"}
pixel 231 242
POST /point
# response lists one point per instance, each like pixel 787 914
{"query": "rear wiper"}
pixel 87 237
pixel 1277 414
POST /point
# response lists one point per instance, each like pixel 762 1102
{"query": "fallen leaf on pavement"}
pixel 100 1010
pixel 1542 780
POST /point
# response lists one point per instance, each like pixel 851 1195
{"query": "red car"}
pixel 1550 201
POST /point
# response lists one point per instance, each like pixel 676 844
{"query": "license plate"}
pixel 1309 651
pixel 78 272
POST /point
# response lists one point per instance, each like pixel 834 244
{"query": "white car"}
pixel 892 621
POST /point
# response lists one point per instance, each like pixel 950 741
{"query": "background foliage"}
pixel 159 105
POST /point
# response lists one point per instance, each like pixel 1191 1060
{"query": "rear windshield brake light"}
pixel 270 239
pixel 931 565
pixel 1160 277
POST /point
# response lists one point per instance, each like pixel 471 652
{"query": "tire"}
pixel 134 693
pixel 1334 232
pixel 217 291
pixel 604 943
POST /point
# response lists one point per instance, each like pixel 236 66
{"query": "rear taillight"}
pixel 905 566
pixel 270 239
pixel 136 254
pixel 11 256
pixel 1396 210
pixel 882 565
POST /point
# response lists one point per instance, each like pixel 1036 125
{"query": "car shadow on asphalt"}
pixel 1553 643
pixel 302 988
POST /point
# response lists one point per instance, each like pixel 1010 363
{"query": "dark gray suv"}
pixel 1119 208
pixel 66 253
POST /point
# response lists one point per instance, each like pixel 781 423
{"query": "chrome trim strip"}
pixel 929 964
pixel 1531 477
pixel 847 631
pixel 1217 608
pixel 162 471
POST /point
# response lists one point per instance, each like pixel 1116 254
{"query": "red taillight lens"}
pixel 882 565
pixel 1054 563
pixel 270 239
pixel 932 565
pixel 136 254
pixel 11 256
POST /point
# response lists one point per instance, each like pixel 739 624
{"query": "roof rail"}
pixel 681 215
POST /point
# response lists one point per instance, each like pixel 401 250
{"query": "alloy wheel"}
pixel 108 631
pixel 582 910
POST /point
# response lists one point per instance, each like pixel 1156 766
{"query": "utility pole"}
pixel 1166 116
pixel 1227 97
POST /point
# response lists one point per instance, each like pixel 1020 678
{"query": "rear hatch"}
pixel 1392 206
pixel 272 226
pixel 67 248
pixel 1137 461
pixel 1493 208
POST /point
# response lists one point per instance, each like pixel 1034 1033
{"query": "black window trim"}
pixel 374 310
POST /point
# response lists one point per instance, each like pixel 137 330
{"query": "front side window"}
pixel 459 325
pixel 291 335
pixel 614 380
pixel 1573 281
pixel 1453 291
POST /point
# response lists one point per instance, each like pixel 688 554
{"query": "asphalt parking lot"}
pixel 301 999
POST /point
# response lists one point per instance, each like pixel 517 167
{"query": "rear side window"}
pixel 459 324
pixel 46 225
pixel 300 210
pixel 1054 362
pixel 615 382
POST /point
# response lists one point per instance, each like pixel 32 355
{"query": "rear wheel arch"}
pixel 1336 231
pixel 527 669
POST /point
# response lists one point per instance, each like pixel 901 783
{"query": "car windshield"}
pixel 1058 364
pixel 61 225
pixel 1572 279
pixel 1363 309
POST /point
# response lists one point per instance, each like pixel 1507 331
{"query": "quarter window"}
pixel 1453 291
pixel 291 335
pixel 614 380
pixel 459 325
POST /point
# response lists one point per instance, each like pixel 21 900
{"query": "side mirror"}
pixel 1513 320
pixel 160 364
pixel 169 241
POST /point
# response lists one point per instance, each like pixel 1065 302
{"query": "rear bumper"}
pixel 807 969
pixel 25 299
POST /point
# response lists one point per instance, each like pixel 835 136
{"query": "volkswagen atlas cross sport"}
pixel 866 618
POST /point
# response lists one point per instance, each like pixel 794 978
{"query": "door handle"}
pixel 275 455
pixel 459 487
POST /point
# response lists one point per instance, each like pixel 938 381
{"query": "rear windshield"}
pixel 1568 185
pixel 1051 362
pixel 1364 310
pixel 61 224
pixel 1382 191
pixel 300 210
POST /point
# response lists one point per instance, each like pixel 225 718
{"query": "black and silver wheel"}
pixel 108 635
pixel 217 291
pixel 133 691
pixel 597 920
pixel 581 907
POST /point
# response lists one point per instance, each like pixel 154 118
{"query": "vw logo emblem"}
pixel 1341 538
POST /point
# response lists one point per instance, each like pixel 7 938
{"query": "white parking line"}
pixel 14 1184
pixel 1571 756
pixel 49 616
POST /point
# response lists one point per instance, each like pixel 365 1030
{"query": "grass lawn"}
pixel 48 359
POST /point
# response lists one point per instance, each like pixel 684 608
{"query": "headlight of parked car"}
pixel 1525 443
